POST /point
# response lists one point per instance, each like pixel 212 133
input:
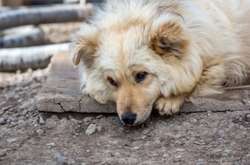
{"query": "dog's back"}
pixel 221 28
pixel 238 11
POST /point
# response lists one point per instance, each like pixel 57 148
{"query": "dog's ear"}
pixel 168 38
pixel 85 46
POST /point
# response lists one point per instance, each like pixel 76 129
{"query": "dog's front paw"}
pixel 169 106
pixel 98 98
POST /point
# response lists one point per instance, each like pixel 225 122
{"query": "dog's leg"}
pixel 169 106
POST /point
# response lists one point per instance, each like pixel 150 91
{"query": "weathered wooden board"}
pixel 61 93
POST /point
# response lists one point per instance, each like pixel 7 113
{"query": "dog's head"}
pixel 134 61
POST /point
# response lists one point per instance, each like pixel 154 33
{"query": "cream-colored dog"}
pixel 141 53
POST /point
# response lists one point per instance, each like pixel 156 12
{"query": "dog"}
pixel 143 54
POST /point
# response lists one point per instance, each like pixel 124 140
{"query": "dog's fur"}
pixel 182 48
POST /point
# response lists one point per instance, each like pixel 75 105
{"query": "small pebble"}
pixel 11 140
pixel 50 145
pixel 11 120
pixel 3 153
pixel 40 131
pixel 193 120
pixel 146 132
pixel 3 121
pixel 91 129
pixel 136 148
pixel 247 117
pixel 99 116
pixel 41 120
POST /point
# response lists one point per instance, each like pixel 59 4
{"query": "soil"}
pixel 28 137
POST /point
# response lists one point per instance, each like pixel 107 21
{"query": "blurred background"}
pixel 41 2
pixel 32 31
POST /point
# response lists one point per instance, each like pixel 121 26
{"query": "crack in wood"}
pixel 60 105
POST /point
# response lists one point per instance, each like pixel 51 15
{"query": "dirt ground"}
pixel 28 137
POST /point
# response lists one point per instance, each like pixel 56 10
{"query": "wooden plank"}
pixel 61 93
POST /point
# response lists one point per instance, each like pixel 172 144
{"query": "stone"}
pixel 50 145
pixel 11 140
pixel 99 116
pixel 193 120
pixel 92 128
pixel 136 148
pixel 40 132
pixel 3 153
pixel 3 121
pixel 41 120
pixel 247 117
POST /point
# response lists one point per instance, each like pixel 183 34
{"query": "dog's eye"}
pixel 141 76
pixel 112 81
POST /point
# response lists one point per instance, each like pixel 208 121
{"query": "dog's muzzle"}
pixel 128 118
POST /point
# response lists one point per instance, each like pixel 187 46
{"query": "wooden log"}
pixel 4 9
pixel 35 57
pixel 61 93
pixel 31 2
pixel 94 1
pixel 21 37
pixel 42 15
pixel 42 2
pixel 12 2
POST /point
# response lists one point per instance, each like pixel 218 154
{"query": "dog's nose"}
pixel 128 118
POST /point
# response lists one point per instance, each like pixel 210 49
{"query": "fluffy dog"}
pixel 141 53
